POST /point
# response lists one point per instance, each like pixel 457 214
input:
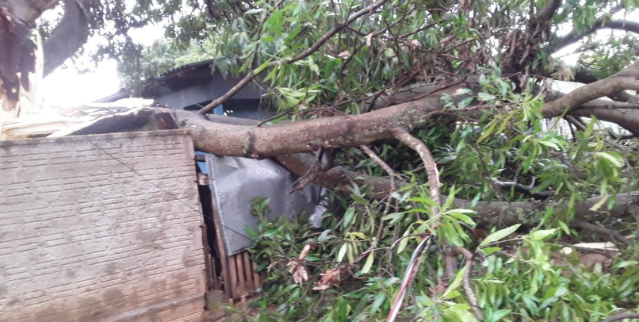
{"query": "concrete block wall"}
pixel 100 228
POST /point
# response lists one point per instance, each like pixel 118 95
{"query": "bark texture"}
pixel 310 135
pixel 68 36
pixel 20 55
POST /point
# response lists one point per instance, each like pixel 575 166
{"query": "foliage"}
pixel 514 278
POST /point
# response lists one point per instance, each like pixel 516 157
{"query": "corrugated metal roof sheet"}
pixel 185 68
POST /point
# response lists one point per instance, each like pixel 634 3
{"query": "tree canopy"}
pixel 440 125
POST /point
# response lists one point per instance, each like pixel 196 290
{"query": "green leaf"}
pixel 359 199
pixel 427 201
pixel 324 236
pixel 379 299
pixel 626 264
pixel 450 200
pixel 564 227
pixel 351 253
pixel 460 214
pixel 455 284
pixel 254 11
pixel 392 216
pixel 275 22
pixel 500 234
pixel 342 252
pixel 262 67
pixel 465 102
pixel 490 250
pixel 549 144
pixel 348 217
pixel 358 235
pixel 403 242
pixel 599 203
pixel 369 263
pixel 498 315
pixel 542 234
pixel 486 97
pixel 617 162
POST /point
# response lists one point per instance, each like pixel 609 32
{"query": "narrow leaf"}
pixel 542 234
pixel 455 284
pixel 369 263
pixel 500 234
pixel 379 299
pixel 342 252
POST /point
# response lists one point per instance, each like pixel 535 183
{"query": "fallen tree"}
pixel 425 121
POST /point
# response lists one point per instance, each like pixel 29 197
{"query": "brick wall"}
pixel 100 228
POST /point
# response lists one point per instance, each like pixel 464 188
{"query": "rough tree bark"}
pixel 22 51
pixel 68 36
pixel 20 56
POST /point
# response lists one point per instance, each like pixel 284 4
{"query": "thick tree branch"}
pixel 623 114
pixel 27 11
pixel 546 13
pixel 609 234
pixel 626 118
pixel 623 316
pixel 601 23
pixel 252 74
pixel 502 213
pixel 68 37
pixel 587 93
pixel 587 76
pixel 310 135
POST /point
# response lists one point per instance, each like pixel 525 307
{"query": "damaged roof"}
pixel 197 76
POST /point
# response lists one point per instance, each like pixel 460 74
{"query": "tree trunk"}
pixel 21 57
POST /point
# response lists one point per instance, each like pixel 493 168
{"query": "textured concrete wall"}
pixel 100 228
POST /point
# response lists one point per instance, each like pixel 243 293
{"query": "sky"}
pixel 66 87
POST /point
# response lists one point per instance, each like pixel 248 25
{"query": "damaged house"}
pixel 110 213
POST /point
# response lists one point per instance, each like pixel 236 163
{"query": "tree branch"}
pixel 468 289
pixel 601 23
pixel 546 13
pixel 623 316
pixel 609 234
pixel 68 36
pixel 626 118
pixel 523 189
pixel 309 135
pixel 503 213
pixel 605 87
pixel 587 76
pixel 252 74
pixel 429 163
pixel 371 154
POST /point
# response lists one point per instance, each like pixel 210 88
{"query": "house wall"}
pixel 100 228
